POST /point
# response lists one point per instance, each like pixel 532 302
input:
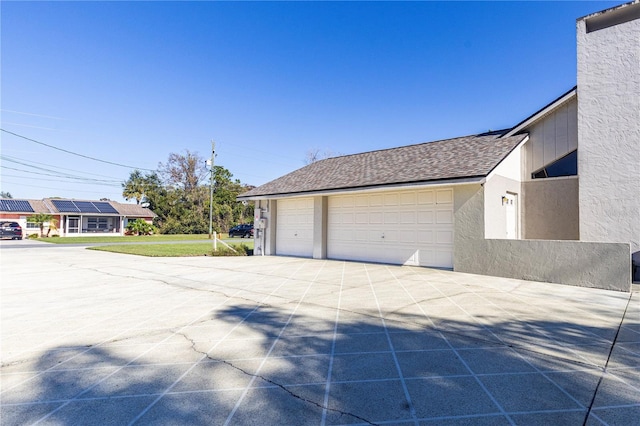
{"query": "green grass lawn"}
pixel 175 250
pixel 130 239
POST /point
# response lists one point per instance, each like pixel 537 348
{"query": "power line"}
pixel 57 173
pixel 55 189
pixel 17 160
pixel 81 179
pixel 74 153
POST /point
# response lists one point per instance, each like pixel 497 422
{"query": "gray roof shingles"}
pixel 464 157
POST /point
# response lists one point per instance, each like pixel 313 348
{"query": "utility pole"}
pixel 213 154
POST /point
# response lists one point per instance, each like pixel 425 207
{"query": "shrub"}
pixel 240 250
pixel 140 227
pixel 32 236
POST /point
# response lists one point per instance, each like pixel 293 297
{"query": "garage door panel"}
pixel 408 218
pixel 390 236
pixel 444 196
pixel 417 227
pixel 391 218
pixel 375 200
pixel 407 198
pixel 373 235
pixel 294 233
pixel 426 197
pixel 444 216
pixel 426 217
pixel 361 201
pixel 427 257
pixel 391 199
pixel 376 217
pixel 408 236
pixel 425 237
pixel 443 259
pixel 361 235
pixel 444 237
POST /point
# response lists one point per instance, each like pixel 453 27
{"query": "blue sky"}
pixel 132 82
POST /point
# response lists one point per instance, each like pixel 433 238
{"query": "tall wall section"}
pixel 609 126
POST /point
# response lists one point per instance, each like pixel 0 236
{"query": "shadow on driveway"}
pixel 327 366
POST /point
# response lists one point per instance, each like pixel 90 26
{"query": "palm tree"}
pixel 41 219
pixel 134 187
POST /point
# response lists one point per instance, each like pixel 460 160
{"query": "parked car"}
pixel 242 231
pixel 11 230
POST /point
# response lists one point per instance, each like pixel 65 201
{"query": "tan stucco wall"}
pixel 468 215
pixel 550 209
pixel 597 265
pixel 320 216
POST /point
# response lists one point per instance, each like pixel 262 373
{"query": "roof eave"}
pixel 524 124
pixel 467 180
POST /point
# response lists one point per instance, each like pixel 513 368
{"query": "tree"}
pixel 40 219
pixel 186 171
pixel 138 186
pixel 179 195
pixel 315 154
pixel 4 194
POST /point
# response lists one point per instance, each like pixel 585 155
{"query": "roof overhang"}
pixel 613 16
pixel 477 180
pixel 527 122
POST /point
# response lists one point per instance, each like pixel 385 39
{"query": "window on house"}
pixel 97 223
pixel 565 166
pixel 32 225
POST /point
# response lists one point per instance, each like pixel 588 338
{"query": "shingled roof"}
pixel 464 157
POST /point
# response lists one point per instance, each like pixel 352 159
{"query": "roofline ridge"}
pixel 496 133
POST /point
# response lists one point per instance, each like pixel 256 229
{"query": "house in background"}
pixel 75 217
pixel 555 198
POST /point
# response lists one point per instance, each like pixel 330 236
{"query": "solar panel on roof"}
pixel 86 207
pixel 15 206
pixel 105 207
pixel 65 206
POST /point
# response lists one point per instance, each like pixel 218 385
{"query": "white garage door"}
pixel 294 229
pixel 405 227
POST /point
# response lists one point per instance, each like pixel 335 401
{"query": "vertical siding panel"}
pixel 549 150
pixel 562 136
pixel 572 128
pixel 537 140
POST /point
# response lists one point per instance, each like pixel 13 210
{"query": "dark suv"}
pixel 11 230
pixel 242 231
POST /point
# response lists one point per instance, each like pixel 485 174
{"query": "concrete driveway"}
pixel 99 338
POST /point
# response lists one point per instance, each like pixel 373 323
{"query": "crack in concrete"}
pixel 439 328
pixel 492 342
pixel 280 386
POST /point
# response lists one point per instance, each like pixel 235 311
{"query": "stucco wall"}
pixel 609 132
pixel 550 209
pixel 468 212
pixel 265 239
pixel 495 217
pixel 320 216
pixel 596 265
